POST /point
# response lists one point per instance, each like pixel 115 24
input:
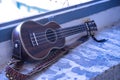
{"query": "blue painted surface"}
pixel 57 76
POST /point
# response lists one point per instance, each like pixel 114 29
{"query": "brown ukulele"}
pixel 35 41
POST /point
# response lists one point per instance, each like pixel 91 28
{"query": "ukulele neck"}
pixel 65 32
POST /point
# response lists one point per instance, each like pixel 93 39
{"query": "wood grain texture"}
pixel 40 51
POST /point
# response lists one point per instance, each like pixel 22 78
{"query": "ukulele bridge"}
pixel 33 39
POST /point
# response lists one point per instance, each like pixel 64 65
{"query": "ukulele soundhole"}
pixel 51 35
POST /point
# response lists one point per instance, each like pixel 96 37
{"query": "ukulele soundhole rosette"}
pixel 51 35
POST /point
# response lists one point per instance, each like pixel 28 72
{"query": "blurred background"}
pixel 15 9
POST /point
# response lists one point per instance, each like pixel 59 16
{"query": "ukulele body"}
pixel 33 41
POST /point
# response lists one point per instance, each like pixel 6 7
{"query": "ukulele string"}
pixel 41 41
pixel 62 30
pixel 66 32
pixel 72 31
pixel 44 39
pixel 58 31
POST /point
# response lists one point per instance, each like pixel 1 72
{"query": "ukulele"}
pixel 35 41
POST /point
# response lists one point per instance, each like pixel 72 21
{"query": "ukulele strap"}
pixel 13 70
pixel 15 65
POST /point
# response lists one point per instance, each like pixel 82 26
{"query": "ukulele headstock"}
pixel 91 26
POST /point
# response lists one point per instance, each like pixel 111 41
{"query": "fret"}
pixel 59 33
